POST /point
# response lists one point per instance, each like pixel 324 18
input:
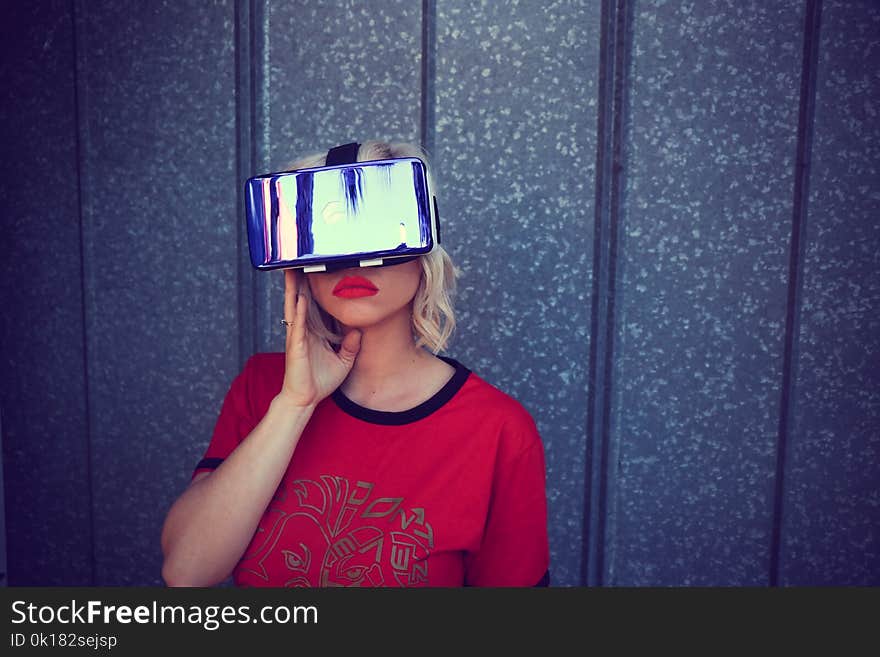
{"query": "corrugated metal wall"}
pixel 667 214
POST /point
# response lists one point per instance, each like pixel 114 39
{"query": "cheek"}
pixel 404 284
pixel 320 287
pixel 413 286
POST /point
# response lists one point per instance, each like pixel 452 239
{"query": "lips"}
pixel 353 287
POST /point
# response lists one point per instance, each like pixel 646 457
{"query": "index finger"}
pixel 291 288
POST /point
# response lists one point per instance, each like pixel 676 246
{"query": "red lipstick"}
pixel 354 287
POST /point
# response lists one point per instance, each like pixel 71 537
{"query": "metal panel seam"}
pixel 613 60
pixel 429 49
pixel 81 137
pixel 812 20
pixel 244 156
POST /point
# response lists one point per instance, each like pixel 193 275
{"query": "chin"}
pixel 359 319
pixel 364 317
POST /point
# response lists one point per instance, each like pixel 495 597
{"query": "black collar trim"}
pixel 423 410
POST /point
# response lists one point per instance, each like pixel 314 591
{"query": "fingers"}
pixel 351 345
pixel 299 323
pixel 295 306
pixel 291 287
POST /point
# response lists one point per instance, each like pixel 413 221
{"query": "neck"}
pixel 387 352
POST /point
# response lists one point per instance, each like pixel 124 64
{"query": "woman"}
pixel 359 457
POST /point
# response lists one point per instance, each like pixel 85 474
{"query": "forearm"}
pixel 209 527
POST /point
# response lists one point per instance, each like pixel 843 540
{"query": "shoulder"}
pixel 493 408
pixel 495 401
pixel 261 378
pixel 264 363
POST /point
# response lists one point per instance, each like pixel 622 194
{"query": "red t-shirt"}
pixel 448 493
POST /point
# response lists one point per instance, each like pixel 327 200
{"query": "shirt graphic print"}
pixel 338 533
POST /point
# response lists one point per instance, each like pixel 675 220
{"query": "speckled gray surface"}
pixel 831 530
pixel 330 72
pixel 42 398
pixel 703 268
pixel 515 161
pixel 159 190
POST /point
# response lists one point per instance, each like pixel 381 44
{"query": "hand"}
pixel 312 370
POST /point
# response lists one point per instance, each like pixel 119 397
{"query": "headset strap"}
pixel 344 154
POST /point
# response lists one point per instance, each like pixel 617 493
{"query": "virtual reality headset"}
pixel 344 214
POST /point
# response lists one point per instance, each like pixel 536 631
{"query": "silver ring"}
pixel 284 322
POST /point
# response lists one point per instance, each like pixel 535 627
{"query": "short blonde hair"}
pixel 433 318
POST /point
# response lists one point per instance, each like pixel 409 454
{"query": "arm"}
pixel 209 527
pixel 211 524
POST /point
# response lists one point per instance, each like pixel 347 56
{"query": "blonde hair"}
pixel 433 318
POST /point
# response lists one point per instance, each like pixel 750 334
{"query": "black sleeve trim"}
pixel 210 464
pixel 545 580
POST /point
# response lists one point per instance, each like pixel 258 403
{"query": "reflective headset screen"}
pixel 344 214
